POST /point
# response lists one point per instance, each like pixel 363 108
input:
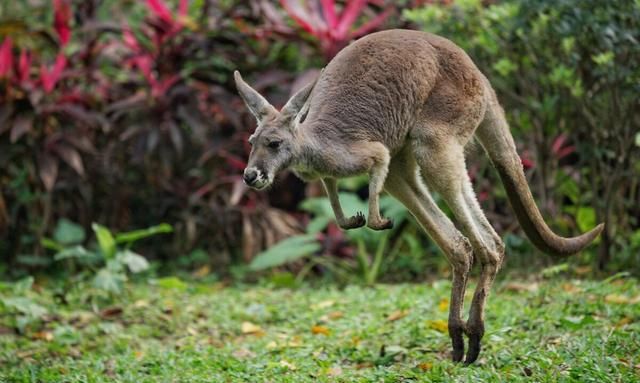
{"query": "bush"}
pixel 133 122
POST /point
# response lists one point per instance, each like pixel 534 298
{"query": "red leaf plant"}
pixel 559 149
pixel 24 67
pixel 49 77
pixel 61 20
pixel 332 27
pixel 6 58
pixel 527 162
pixel 165 26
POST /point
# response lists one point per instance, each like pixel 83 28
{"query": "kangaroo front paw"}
pixel 381 224
pixel 353 222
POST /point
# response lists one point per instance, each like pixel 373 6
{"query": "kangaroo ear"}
pixel 296 102
pixel 257 104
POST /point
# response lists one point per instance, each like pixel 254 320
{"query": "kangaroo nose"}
pixel 250 176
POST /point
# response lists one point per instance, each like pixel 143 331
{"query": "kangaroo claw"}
pixel 354 222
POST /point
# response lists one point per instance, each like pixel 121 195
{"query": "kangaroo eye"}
pixel 274 144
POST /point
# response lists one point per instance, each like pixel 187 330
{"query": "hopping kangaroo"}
pixel 401 106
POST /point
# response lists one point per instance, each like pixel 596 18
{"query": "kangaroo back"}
pixel 494 135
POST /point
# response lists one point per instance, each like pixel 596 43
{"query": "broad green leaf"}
pixel 105 240
pixel 285 251
pixel 318 224
pixel 23 285
pixel 108 280
pixel 132 236
pixel 73 252
pixel 321 207
pixel 586 218
pixel 171 283
pixel 25 306
pixel 135 262
pixel 33 260
pixel 50 244
pixel 68 233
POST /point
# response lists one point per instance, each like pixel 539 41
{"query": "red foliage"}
pixel 527 162
pixel 49 78
pixel 24 67
pixel 165 26
pixel 559 149
pixel 6 58
pixel 333 29
pixel 61 19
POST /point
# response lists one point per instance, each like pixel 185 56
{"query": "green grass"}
pixel 555 330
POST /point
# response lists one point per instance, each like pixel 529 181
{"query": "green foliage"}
pixel 68 233
pixel 20 302
pixel 567 73
pixel 287 250
pixel 373 250
pixel 110 260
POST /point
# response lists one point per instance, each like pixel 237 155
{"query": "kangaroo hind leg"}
pixel 404 184
pixel 445 171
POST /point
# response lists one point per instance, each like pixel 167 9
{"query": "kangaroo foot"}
pixel 353 222
pixel 457 341
pixel 475 331
pixel 380 224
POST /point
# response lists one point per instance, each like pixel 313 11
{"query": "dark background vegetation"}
pixel 124 113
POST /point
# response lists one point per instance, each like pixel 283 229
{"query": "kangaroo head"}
pixel 273 144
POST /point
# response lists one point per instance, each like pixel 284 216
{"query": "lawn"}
pixel 172 331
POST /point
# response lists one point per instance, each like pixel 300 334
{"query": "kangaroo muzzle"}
pixel 255 178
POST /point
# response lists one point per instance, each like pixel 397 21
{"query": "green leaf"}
pixel 105 240
pixel 132 236
pixel 318 224
pixel 555 270
pixel 321 207
pixel 577 322
pixel 68 233
pixel 50 244
pixel 171 283
pixel 25 306
pixel 23 285
pixel 285 251
pixel 603 59
pixel 504 67
pixel 586 218
pixel 135 262
pixel 109 281
pixel 33 260
pixel 73 252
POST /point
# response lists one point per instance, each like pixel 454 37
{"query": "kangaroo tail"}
pixel 494 135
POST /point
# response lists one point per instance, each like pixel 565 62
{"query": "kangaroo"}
pixel 401 105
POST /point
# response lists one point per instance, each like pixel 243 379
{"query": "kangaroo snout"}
pixel 250 176
pixel 255 178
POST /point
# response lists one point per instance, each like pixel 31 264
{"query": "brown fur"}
pixel 401 106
